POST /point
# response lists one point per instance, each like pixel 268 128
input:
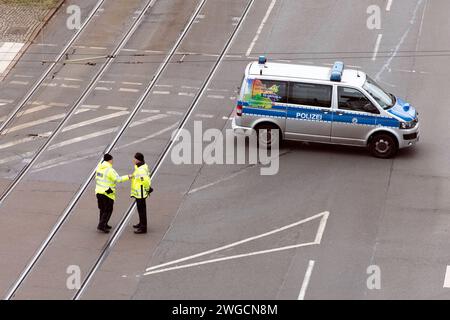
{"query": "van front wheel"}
pixel 383 146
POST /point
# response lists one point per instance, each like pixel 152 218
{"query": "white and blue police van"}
pixel 323 104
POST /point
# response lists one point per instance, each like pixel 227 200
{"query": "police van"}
pixel 321 104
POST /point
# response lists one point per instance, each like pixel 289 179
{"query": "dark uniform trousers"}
pixel 106 206
pixel 142 210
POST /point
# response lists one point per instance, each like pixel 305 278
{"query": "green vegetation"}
pixel 40 3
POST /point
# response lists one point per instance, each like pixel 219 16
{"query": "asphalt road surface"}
pixel 315 230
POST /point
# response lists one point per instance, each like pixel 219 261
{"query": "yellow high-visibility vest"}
pixel 107 178
pixel 140 182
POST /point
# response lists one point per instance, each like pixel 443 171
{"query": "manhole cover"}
pixel 17 31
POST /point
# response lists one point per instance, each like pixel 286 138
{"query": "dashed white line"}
pixel 306 280
pixel 103 89
pixel 116 108
pixel 188 87
pixel 22 83
pixel 70 86
pixel 213 96
pixel 389 5
pixel 128 90
pixel 186 94
pixel 261 27
pixel 161 92
pixel 377 47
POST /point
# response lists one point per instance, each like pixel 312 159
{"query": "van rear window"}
pixel 268 91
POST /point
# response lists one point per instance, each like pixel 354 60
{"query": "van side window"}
pixel 307 94
pixel 353 100
pixel 269 91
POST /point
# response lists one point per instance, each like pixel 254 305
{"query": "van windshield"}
pixel 384 99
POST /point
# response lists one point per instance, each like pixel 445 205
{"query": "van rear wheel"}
pixel 268 135
pixel 383 146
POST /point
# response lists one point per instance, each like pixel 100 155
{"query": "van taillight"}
pixel 239 109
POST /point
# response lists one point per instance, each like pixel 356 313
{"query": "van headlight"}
pixel 408 125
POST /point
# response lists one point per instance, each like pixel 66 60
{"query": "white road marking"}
pixel 245 255
pixel 164 85
pixel 447 278
pixel 51 85
pixel 98 48
pixel 306 280
pixel 95 120
pixel 175 113
pixel 146 120
pixel 234 244
pixel 70 86
pixel 150 111
pixel 155 51
pixel 206 116
pixel 377 47
pixel 39 122
pixel 161 92
pixel 132 83
pixel 217 182
pixel 186 94
pixel 128 90
pixel 90 106
pixel 21 83
pixel 218 90
pixel 188 87
pixel 386 66
pixel 68 128
pixel 389 5
pixel 22 76
pixel 261 27
pixel 73 79
pixel 107 81
pixel 35 109
pixel 130 50
pixel 46 45
pixel 49 164
pixel 103 132
pixel 103 89
pixel 58 104
pixel 236 56
pixel 116 108
pixel 321 229
pixel 213 96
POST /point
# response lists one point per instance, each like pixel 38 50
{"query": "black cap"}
pixel 107 157
pixel 139 157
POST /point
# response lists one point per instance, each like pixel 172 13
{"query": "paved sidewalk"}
pixel 18 23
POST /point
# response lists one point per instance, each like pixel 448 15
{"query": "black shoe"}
pixel 140 231
pixel 108 227
pixel 137 226
pixel 104 230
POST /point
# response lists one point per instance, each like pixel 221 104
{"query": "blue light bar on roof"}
pixel 262 60
pixel 336 71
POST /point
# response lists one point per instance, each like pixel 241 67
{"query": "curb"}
pixel 31 38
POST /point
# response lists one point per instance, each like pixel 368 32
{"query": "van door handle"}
pixel 340 114
pixel 326 112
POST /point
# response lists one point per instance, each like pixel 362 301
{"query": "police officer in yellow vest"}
pixel 140 189
pixel 106 179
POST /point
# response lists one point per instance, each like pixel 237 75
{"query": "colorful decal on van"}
pixel 261 95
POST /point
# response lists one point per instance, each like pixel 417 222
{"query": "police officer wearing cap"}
pixel 106 179
pixel 140 190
